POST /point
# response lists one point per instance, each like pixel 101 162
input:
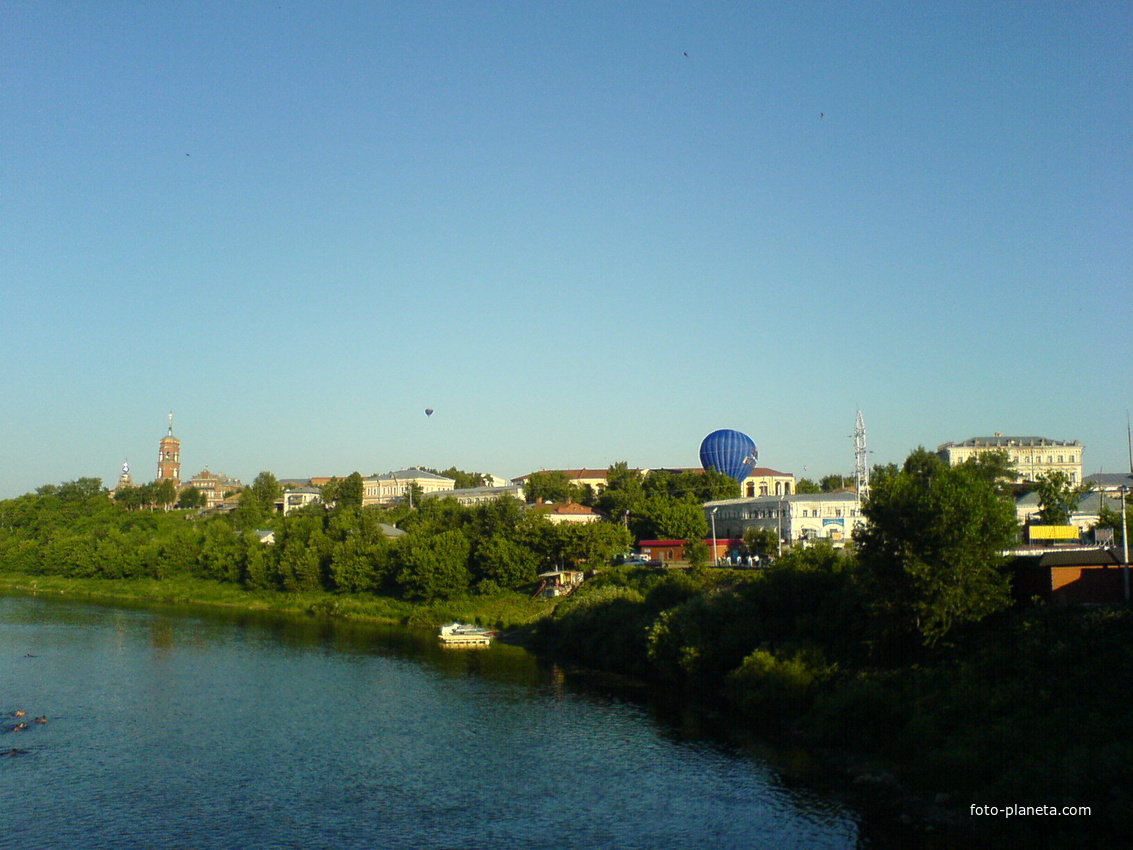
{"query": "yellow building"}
pixel 1032 456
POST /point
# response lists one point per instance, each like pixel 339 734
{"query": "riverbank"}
pixel 504 611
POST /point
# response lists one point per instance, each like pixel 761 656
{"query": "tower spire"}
pixel 169 456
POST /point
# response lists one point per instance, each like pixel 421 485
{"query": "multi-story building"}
pixel 767 482
pixel 478 495
pixel 294 498
pixel 392 486
pixel 215 486
pixel 800 517
pixel 1032 456
pixel 763 481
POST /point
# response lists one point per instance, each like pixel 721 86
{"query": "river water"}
pixel 184 728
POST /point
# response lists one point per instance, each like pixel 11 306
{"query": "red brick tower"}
pixel 169 457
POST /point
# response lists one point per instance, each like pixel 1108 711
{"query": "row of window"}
pixel 782 488
pixel 773 513
pixel 1049 459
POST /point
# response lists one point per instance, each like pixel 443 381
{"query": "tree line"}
pixel 435 550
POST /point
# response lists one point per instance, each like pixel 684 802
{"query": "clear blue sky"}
pixel 582 232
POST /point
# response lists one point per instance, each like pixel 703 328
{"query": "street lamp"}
pixel 779 519
pixel 715 550
pixel 1124 544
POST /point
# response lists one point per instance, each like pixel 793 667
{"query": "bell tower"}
pixel 169 457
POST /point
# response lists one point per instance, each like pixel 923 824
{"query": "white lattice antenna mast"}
pixel 861 459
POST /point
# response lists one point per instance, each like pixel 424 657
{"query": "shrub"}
pixel 778 685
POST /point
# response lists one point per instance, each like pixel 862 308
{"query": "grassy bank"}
pixel 505 611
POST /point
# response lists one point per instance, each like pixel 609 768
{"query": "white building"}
pixel 298 497
pixel 798 518
pixel 477 495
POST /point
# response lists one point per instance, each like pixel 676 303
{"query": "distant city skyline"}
pixel 580 234
pixel 187 472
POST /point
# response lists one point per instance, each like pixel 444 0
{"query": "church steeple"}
pixel 169 456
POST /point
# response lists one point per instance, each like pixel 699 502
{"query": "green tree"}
pixel 165 493
pixel 257 501
pixel 931 553
pixel 697 552
pixel 624 493
pixel 1058 498
pixel 549 485
pixel 191 497
pixel 221 555
pixel 257 572
pixel 329 491
pixel 806 485
pixel 691 485
pixel 463 480
pixel 830 483
pixel 303 551
pixel 501 562
pixel 665 518
pixel 351 490
pixel 591 544
pixel 358 565
pixel 265 488
pixel 434 566
pixel 131 498
pixel 762 543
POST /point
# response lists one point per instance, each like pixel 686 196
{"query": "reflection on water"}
pixel 175 727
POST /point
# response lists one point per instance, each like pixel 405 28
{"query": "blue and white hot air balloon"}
pixel 730 452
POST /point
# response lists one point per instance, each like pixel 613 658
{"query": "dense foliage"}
pixel 932 551
pixel 77 529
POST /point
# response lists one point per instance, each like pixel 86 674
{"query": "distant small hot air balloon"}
pixel 428 411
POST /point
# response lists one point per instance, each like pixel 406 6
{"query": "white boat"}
pixel 463 634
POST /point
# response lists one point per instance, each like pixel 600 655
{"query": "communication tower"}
pixel 861 459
